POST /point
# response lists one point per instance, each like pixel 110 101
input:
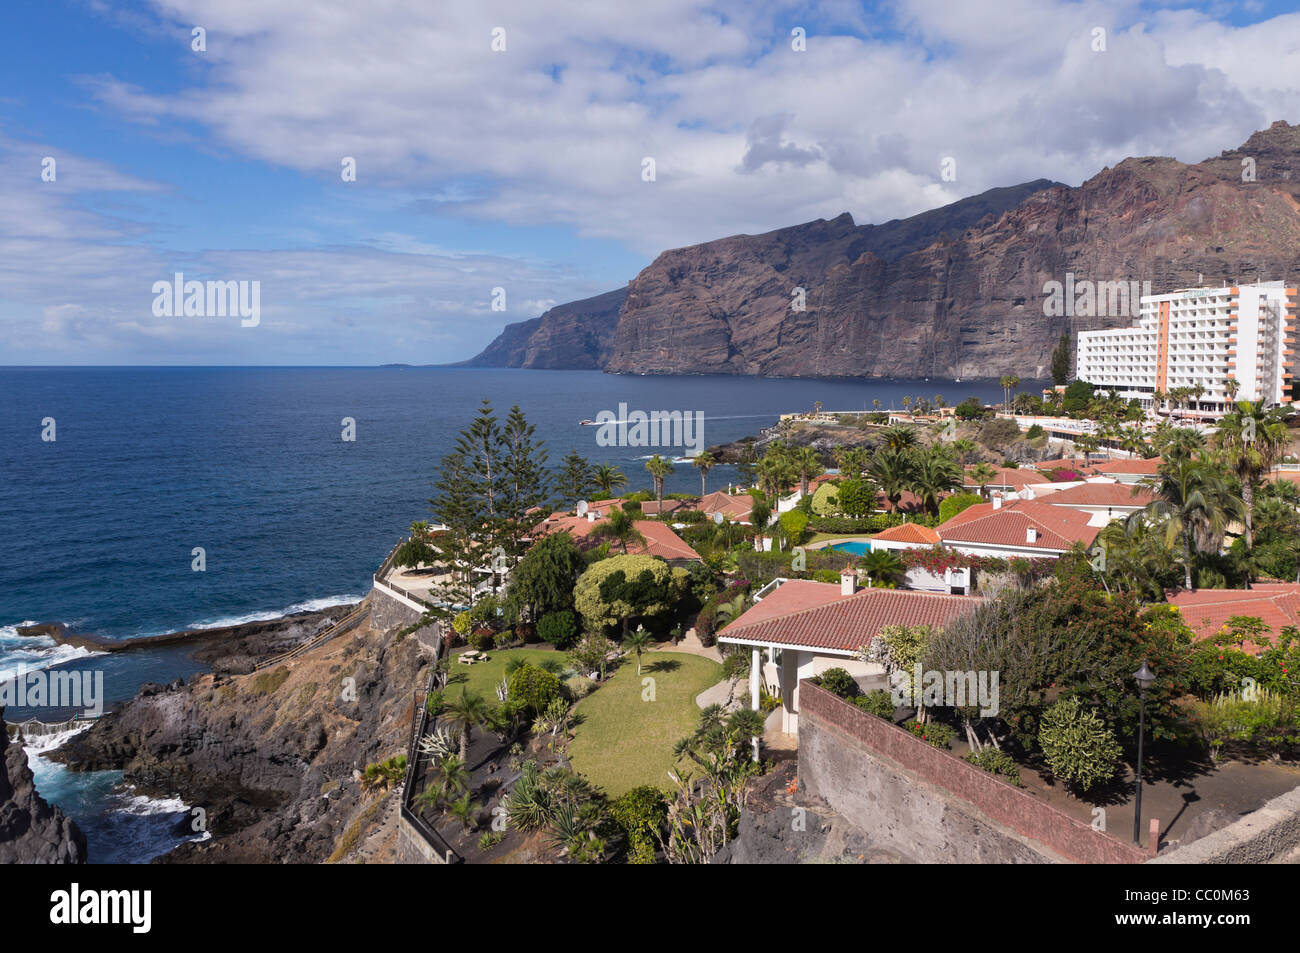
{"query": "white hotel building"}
pixel 1199 336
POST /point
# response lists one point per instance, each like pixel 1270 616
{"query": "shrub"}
pixel 856 497
pixel 490 839
pixel 579 686
pixel 1077 744
pixel 1035 431
pixel 794 522
pixel 998 762
pixel 558 628
pixel 735 665
pixel 954 504
pixel 641 813
pixel 837 681
pixel 934 733
pixel 826 500
pixel 533 688
pixel 1265 718
pixel 879 703
pixel 481 639
pixel 462 623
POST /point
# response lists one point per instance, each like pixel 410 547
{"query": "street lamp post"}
pixel 1144 678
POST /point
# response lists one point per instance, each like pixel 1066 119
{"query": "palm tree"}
pixel 907 403
pixel 618 527
pixel 982 474
pixel 1251 440
pixel 807 464
pixel 774 474
pixel 933 474
pixel 1194 503
pixel 704 462
pixel 1182 443
pixel 638 642
pixel 659 468
pixel 891 470
pixel 882 565
pixel 449 779
pixel 964 447
pixel 466 810
pixel 465 714
pixel 1230 387
pixel 1009 384
pixel 1088 444
pixel 608 478
pixel 898 437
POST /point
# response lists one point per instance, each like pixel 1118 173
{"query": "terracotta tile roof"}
pixel 654 508
pixel 735 507
pixel 1063 463
pixel 661 541
pixel 1101 494
pixel 793 595
pixel 1058 527
pixel 1015 477
pixel 908 533
pixel 1130 466
pixel 850 622
pixel 1206 611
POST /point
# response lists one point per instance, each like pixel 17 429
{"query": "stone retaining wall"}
pixel 928 803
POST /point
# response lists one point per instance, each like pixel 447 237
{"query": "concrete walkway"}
pixel 691 645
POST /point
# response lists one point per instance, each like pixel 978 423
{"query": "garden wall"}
pixel 930 804
pixel 1260 837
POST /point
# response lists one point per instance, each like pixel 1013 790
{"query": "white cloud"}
pixel 747 134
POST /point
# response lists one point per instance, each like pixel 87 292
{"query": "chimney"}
pixel 1031 535
pixel 997 502
pixel 592 515
pixel 848 582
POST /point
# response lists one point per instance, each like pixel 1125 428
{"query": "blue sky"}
pixel 521 169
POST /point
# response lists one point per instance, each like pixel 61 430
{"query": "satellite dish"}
pixel 718 518
pixel 582 507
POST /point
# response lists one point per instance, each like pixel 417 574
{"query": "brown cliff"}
pixel 957 292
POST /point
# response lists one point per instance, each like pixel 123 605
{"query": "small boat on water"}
pixel 586 423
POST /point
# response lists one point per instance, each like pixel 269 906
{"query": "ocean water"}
pixel 98 527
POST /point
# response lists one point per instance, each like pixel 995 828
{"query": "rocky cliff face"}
pixel 31 831
pixel 943 295
pixel 573 336
pixel 582 335
pixel 271 757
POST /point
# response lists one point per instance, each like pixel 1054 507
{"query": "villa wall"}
pixel 930 804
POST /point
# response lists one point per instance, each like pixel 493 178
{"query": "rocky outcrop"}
pixel 31 831
pixel 273 758
pixel 573 336
pixel 959 291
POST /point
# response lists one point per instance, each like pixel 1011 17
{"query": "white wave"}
pixel 309 605
pixel 35 651
pixel 129 802
pixel 42 743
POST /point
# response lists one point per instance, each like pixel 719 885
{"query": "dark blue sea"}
pixel 98 526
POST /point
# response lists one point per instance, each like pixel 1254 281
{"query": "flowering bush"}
pixel 934 733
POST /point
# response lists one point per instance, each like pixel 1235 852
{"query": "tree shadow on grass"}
pixel 662 665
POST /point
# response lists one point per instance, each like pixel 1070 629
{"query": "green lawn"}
pixel 484 677
pixel 623 741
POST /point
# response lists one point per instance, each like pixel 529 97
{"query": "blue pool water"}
pixel 857 549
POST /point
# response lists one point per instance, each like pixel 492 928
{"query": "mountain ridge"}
pixel 951 292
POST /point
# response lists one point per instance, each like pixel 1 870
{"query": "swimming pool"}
pixel 857 549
